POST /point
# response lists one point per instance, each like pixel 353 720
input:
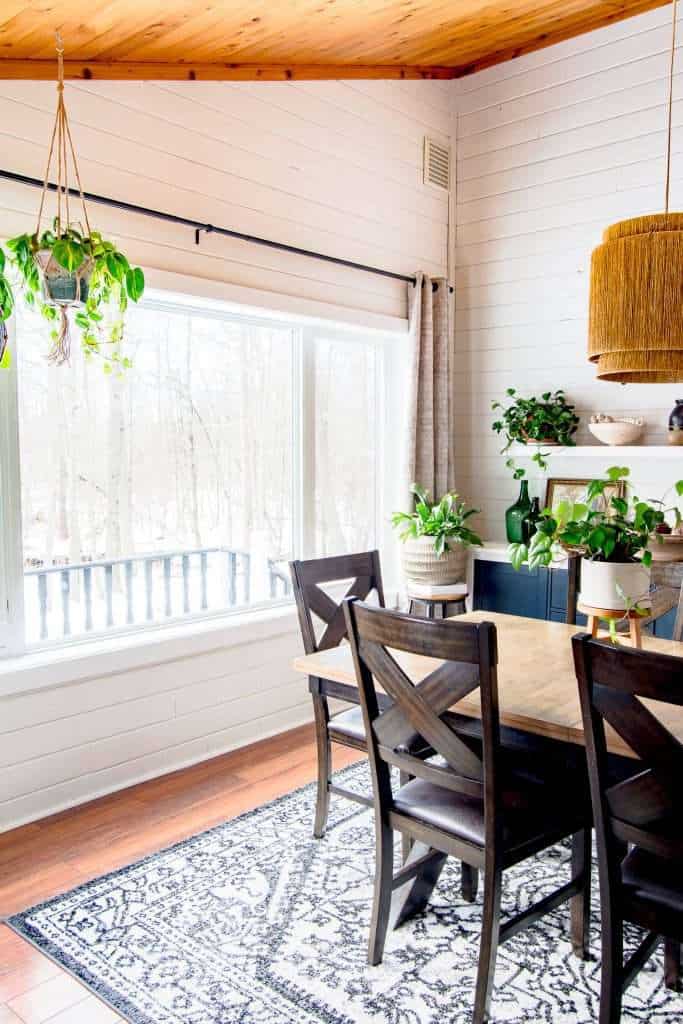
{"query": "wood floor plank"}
pixel 28 976
pixel 47 999
pixel 58 853
pixel 8 1016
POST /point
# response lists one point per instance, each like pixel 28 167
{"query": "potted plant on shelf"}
pixel 613 538
pixel 64 268
pixel 546 421
pixel 435 538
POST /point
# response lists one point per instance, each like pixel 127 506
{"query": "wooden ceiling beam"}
pixel 37 70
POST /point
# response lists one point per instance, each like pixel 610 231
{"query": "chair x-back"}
pixel 644 812
pixel 467 802
pixel 346 727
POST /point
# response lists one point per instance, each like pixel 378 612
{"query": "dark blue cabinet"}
pixel 499 588
pixel 664 627
pixel 535 593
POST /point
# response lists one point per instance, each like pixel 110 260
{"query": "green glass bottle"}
pixel 531 519
pixel 514 516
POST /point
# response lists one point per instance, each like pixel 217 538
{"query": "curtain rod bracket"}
pixel 435 285
pixel 207 227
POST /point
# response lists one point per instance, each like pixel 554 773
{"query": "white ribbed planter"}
pixel 421 564
pixel 599 583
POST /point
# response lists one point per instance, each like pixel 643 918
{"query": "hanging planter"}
pixel 635 326
pixel 70 272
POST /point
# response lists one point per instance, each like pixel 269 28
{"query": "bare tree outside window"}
pixel 169 491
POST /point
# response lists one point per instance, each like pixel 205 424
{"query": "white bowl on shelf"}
pixel 617 432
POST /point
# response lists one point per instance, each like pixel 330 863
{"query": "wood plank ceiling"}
pixel 287 39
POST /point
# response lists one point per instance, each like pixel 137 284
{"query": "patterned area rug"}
pixel 258 923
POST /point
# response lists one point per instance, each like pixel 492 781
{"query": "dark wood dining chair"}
pixel 639 821
pixel 346 727
pixel 466 802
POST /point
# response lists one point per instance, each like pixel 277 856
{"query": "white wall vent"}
pixel 437 164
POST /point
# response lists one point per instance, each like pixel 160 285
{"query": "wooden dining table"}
pixel 537 686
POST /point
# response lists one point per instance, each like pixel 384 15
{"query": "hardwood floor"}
pixel 58 853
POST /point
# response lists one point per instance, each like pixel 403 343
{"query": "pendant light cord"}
pixel 670 114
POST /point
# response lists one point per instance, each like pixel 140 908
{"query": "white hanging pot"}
pixel 421 564
pixel 599 582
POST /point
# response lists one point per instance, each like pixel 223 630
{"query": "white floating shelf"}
pixel 614 454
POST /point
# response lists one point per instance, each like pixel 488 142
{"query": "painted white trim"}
pixel 11 549
pixel 283 721
pixel 256 301
pixel 90 659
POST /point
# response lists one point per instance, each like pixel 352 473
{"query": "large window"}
pixel 183 487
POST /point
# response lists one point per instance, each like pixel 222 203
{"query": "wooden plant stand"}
pixel 594 616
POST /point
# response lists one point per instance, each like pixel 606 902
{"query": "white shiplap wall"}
pixel 551 148
pixel 330 166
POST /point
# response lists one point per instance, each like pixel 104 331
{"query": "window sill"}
pixel 87 659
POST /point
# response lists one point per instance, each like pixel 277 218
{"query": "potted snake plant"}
pixel 435 538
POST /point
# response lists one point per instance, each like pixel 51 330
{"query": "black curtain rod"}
pixel 172 218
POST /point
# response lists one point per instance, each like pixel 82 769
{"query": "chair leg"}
pixel 612 969
pixel 469 882
pixel 580 908
pixel 381 906
pixel 490 930
pixel 322 737
pixel 406 840
pixel 672 965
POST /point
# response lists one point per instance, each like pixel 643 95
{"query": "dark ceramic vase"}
pixel 531 520
pixel 676 417
pixel 514 516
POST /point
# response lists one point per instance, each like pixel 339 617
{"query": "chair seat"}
pixel 348 726
pixel 654 886
pixel 544 818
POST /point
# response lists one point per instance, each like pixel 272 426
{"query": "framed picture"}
pixel 558 490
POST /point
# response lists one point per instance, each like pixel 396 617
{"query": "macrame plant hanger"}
pixel 61 147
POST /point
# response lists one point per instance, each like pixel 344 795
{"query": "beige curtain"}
pixel 430 401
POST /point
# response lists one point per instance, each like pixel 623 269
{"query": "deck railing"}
pixel 140 588
pixel 280 582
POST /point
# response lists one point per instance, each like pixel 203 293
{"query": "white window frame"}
pixel 196 297
pixel 11 546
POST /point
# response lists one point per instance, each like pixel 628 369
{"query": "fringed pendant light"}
pixel 635 328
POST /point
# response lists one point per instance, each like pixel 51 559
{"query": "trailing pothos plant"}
pixel 604 528
pixel 107 282
pixel 549 419
pixel 445 521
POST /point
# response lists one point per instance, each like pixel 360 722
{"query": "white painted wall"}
pixel 330 166
pixel 551 148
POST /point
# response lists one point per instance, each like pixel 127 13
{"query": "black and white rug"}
pixel 255 922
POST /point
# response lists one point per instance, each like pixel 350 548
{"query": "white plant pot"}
pixel 421 564
pixel 599 582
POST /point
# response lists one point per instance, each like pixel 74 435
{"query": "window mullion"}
pixel 12 640
pixel 307 443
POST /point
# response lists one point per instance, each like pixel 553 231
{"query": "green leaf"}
pixel 5 354
pixel 135 283
pixel 517 554
pixel 69 255
pixel 679 487
pixel 647 559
